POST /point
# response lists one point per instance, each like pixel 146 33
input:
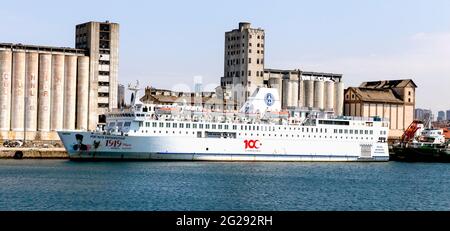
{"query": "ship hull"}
pixel 421 155
pixel 111 147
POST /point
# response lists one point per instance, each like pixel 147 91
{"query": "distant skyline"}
pixel 166 44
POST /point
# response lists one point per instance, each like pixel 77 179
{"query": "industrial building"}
pixel 45 89
pixel 309 90
pixel 392 99
pixel 244 72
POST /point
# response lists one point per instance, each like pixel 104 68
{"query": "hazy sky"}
pixel 167 43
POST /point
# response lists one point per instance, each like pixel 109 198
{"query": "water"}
pixel 155 186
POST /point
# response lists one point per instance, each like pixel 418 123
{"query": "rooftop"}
pixel 387 84
pixel 19 46
pixel 376 95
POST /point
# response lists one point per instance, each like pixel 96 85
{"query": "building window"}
pixel 249 60
pixel 250 44
pixel 249 50
pixel 257 45
pixel 249 73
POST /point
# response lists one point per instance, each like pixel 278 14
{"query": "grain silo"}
pixel 309 93
pixel 286 92
pixel 31 94
pixel 301 93
pixel 5 93
pixel 276 83
pixel 57 105
pixel 319 93
pixel 294 93
pixel 329 95
pixel 70 92
pixel 45 74
pixel 339 98
pixel 82 93
pixel 18 93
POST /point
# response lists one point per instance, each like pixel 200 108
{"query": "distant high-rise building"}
pixel 244 61
pixel 441 116
pixel 120 96
pixel 448 115
pixel 101 42
pixel 423 115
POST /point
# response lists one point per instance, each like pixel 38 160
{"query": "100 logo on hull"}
pixel 252 144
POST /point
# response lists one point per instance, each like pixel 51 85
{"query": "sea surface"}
pixel 62 185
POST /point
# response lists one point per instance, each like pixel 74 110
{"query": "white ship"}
pixel 260 131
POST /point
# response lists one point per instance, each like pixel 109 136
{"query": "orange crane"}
pixel 408 135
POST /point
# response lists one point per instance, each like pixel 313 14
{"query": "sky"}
pixel 168 44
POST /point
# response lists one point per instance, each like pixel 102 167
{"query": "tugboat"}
pixel 420 144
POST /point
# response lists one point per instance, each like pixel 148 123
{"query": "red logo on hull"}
pixel 252 144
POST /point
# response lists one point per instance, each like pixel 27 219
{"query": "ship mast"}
pixel 135 89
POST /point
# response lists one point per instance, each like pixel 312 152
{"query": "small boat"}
pixel 421 144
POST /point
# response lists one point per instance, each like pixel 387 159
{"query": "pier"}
pixel 33 153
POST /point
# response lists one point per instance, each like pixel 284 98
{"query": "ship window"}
pixel 371 132
pixel 351 131
pixel 361 132
pixel 220 126
pixel 356 132
pixel 194 126
pixel 167 125
pixel 346 131
pixel 161 125
pixel 245 127
pixel 303 129
pixel 213 126
pixel 307 129
pixel 127 124
pixel 366 132
pixel 226 126
pixel 112 124
pixel 174 125
pixel 340 131
pixel 234 127
pixel 119 124
pixel 201 126
pixel 317 130
pixel 207 126
pixel 181 125
pixel 335 131
pixel 188 126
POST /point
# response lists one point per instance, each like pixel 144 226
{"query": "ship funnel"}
pixel 261 101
